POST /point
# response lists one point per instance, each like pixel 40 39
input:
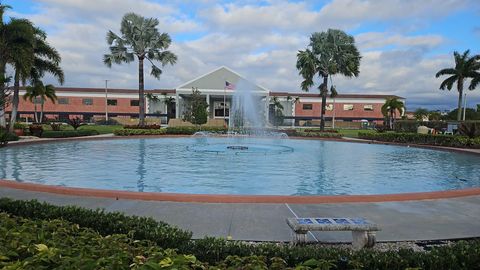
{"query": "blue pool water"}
pixel 251 166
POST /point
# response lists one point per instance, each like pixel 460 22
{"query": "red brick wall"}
pixel 357 112
pixel 76 105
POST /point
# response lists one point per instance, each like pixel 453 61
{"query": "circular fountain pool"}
pixel 240 166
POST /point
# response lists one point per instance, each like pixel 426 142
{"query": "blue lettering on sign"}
pixel 304 221
pixel 323 221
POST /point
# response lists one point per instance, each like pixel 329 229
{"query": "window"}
pixel 219 107
pixel 87 101
pixel 348 107
pixel 112 102
pixel 368 107
pixel 307 106
pixel 329 107
pixel 63 101
pixel 134 102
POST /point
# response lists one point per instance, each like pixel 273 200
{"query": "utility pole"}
pixel 106 100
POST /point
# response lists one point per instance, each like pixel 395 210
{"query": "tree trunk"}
pixel 324 92
pixel 141 90
pixel 460 97
pixel 41 110
pixel 35 110
pixel 3 123
pixel 16 90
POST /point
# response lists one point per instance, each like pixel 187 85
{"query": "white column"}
pixel 208 108
pixel 267 102
pixel 177 105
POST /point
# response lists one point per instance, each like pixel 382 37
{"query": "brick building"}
pixel 218 87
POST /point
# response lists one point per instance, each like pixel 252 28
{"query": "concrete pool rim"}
pixel 227 198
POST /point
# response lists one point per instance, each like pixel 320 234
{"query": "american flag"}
pixel 229 86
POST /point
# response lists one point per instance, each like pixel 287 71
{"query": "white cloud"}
pixel 259 41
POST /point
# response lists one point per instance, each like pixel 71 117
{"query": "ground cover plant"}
pixel 42 236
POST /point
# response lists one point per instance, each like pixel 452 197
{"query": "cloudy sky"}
pixel 403 42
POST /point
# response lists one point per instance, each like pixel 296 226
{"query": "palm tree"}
pixel 13 36
pixel 32 63
pixel 42 92
pixel 390 108
pixel 328 53
pixel 277 111
pixel 465 67
pixel 141 39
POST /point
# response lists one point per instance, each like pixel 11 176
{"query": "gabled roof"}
pixel 215 80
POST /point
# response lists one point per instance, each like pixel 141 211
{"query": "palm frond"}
pixel 448 83
pixel 446 71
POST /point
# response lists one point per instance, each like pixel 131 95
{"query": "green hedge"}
pixel 225 254
pixel 192 130
pixel 426 139
pixel 68 133
pixel 137 132
pixel 105 223
pixel 317 134
pixel 6 137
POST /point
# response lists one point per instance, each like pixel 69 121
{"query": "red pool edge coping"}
pixel 224 198
pixel 210 198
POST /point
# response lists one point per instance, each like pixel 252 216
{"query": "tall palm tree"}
pixel 465 67
pixel 13 34
pixel 328 53
pixel 41 92
pixel 390 108
pixel 277 111
pixel 32 62
pixel 140 39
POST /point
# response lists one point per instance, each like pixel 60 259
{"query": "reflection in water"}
pixel 141 170
pixel 313 168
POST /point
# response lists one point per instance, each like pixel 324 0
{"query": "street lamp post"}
pixel 106 100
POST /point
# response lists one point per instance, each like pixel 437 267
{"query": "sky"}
pixel 403 43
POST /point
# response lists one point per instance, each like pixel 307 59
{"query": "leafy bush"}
pixel 36 130
pixel 470 129
pixel 76 122
pixel 138 132
pixel 42 244
pixel 56 126
pixel 68 133
pixel 140 228
pixel 192 130
pixel 428 139
pixel 412 125
pixel 6 136
pixel 18 125
pixel 153 126
pixel 57 244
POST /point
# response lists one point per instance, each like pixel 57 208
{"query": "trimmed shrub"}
pixel 68 133
pixel 106 223
pixel 138 132
pixel 36 130
pixel 427 139
pixel 318 134
pixel 6 137
pixel 192 130
pixel 154 126
pixel 46 242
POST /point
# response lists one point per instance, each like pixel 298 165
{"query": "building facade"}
pixel 220 88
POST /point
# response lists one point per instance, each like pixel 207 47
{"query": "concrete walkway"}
pixel 412 220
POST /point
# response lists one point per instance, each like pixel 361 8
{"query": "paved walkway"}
pixel 412 220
